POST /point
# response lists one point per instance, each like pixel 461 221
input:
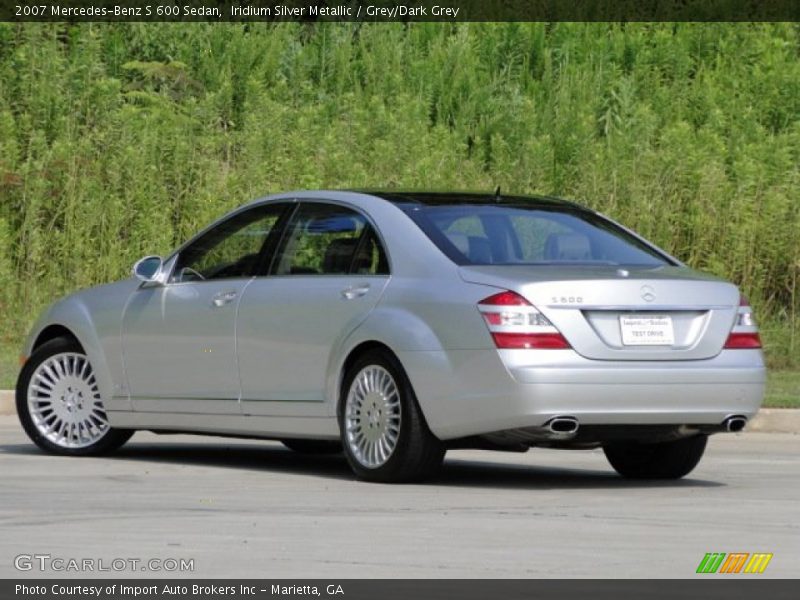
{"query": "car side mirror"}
pixel 148 269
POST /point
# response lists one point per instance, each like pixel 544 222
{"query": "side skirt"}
pixel 322 428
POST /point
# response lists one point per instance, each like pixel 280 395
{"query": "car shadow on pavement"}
pixel 471 474
pixel 257 457
pixel 268 458
pixel 456 472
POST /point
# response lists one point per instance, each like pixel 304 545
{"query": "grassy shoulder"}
pixel 9 366
pixel 783 387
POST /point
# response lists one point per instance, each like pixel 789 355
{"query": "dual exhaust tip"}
pixel 568 426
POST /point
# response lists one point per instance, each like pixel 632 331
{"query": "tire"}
pixel 384 433
pixel 59 404
pixel 663 460
pixel 313 446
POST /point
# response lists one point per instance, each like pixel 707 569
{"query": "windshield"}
pixel 530 235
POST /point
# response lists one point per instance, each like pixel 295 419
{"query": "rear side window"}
pixel 520 235
pixel 370 258
pixel 326 239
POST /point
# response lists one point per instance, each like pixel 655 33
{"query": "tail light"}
pixel 744 335
pixel 743 341
pixel 516 324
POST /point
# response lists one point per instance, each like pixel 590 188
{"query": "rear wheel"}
pixel 384 433
pixel 663 460
pixel 313 446
pixel 59 403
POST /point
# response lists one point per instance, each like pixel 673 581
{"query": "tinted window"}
pixel 229 250
pixel 370 259
pixel 325 239
pixel 509 235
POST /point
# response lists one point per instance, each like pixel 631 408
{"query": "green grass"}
pixel 120 140
pixel 783 389
pixel 9 366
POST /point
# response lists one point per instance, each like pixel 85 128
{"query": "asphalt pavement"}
pixel 240 508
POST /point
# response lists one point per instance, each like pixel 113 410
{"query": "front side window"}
pixel 530 235
pixel 326 239
pixel 230 250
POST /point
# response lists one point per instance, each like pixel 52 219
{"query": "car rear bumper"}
pixel 471 392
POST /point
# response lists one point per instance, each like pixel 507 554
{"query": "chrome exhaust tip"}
pixel 735 423
pixel 562 425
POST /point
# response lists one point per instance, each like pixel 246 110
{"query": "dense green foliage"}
pixel 120 140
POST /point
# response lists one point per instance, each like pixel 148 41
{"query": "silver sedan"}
pixel 393 326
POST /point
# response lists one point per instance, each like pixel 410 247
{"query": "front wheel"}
pixel 59 403
pixel 663 460
pixel 384 433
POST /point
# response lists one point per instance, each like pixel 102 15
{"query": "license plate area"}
pixel 646 330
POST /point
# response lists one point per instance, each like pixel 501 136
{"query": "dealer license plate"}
pixel 646 330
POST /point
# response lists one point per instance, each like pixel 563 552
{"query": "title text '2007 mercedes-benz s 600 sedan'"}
pixel 393 326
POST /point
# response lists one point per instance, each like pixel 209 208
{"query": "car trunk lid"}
pixel 610 313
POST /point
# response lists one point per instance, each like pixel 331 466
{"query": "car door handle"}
pixel 223 298
pixel 354 291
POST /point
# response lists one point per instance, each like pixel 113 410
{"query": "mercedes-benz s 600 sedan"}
pixel 393 326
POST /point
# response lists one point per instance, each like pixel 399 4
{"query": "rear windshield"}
pixel 530 235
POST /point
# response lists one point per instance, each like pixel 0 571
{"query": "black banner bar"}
pixel 393 11
pixel 709 588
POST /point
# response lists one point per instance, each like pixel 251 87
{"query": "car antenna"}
pixel 497 197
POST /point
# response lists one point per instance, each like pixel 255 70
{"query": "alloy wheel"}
pixel 372 416
pixel 64 401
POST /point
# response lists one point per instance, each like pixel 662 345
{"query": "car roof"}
pixel 456 198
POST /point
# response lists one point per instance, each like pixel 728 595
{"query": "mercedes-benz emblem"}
pixel 648 293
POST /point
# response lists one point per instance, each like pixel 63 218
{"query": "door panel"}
pixel 179 345
pixel 287 327
pixel 329 272
pixel 179 340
